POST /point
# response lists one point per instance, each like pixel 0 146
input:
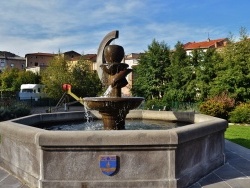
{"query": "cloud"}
pixel 29 26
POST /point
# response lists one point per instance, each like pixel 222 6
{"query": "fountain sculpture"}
pixel 112 107
pixel 127 158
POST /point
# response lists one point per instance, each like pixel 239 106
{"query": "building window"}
pixel 36 64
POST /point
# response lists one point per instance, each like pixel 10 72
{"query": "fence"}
pixel 5 102
pixel 174 106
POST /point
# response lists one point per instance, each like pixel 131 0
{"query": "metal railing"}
pixel 174 106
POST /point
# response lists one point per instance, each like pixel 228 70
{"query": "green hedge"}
pixel 241 114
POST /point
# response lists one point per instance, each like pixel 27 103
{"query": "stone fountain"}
pixel 113 107
pixel 172 158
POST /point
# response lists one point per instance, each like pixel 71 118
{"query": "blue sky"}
pixel 29 26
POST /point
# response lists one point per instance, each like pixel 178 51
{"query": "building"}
pixel 218 44
pixel 132 60
pixel 35 62
pixel 10 60
pixel 71 55
pixel 91 58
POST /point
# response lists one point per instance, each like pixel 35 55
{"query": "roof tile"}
pixel 205 44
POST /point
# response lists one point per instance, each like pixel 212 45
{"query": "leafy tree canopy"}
pixel 234 74
pixel 12 79
pixel 178 75
pixel 84 81
pixel 150 73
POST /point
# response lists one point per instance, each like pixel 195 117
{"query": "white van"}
pixel 31 91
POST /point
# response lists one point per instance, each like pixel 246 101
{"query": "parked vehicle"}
pixel 31 91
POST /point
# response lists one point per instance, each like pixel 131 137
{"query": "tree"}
pixel 206 72
pixel 234 74
pixel 179 74
pixel 8 77
pixel 11 80
pixel 84 81
pixel 150 73
pixel 26 77
pixel 54 76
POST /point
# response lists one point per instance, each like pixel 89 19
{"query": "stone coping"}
pixel 200 125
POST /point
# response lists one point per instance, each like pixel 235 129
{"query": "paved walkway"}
pixel 234 174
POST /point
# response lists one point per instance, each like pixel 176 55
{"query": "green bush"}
pixel 241 114
pixel 14 111
pixel 5 114
pixel 20 110
pixel 218 106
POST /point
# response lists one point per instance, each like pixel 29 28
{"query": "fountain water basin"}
pixel 145 158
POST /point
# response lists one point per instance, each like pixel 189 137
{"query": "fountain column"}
pixel 112 73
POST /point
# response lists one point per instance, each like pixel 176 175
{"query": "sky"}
pixel 50 26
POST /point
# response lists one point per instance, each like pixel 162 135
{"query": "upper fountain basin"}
pixel 115 103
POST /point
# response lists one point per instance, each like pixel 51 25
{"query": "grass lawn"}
pixel 239 134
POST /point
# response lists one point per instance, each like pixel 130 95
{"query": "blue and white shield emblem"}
pixel 108 164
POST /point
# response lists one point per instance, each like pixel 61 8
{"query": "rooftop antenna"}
pixel 208 38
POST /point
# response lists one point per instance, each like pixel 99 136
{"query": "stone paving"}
pixel 9 181
pixel 234 174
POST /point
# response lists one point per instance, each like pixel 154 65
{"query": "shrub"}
pixel 14 111
pixel 241 114
pixel 5 114
pixel 218 106
pixel 20 109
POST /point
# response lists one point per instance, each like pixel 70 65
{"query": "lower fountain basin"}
pixel 95 125
pixel 145 158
